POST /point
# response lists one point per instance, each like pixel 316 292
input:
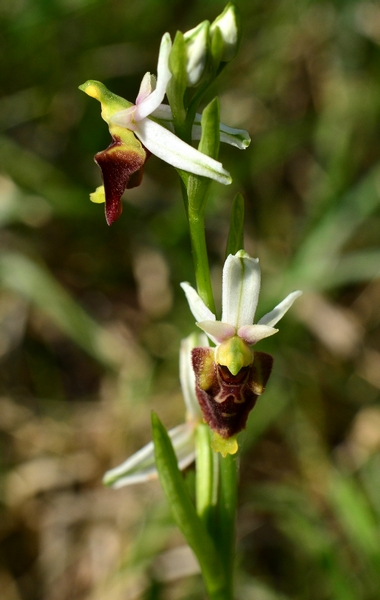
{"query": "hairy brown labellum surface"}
pixel 122 167
pixel 225 399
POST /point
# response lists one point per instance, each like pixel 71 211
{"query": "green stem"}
pixel 206 478
pixel 194 103
pixel 199 249
pixel 227 516
pixel 200 258
pixel 215 507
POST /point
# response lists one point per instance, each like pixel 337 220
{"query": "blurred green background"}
pixel 91 316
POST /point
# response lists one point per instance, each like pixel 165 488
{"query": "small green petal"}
pixel 99 196
pixel 223 445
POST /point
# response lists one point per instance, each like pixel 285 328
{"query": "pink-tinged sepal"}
pixel 225 399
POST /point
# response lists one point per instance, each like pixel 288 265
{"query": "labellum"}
pixel 226 399
pixel 122 168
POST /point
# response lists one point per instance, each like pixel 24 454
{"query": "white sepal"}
pixel 153 101
pixel 164 113
pixel 173 150
pixel 141 466
pixel 197 306
pixel 187 375
pixel 240 289
pixel 278 312
pixel 228 135
pixel 239 138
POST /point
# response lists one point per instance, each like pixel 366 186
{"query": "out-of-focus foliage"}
pixel 91 316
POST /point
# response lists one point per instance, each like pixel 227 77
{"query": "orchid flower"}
pixel 231 376
pixel 137 134
pixel 141 466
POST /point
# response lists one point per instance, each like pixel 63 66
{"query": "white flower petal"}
pixel 125 118
pixel 149 104
pixel 216 330
pixel 236 137
pixel 187 375
pixel 147 85
pixel 141 466
pixel 164 113
pixel 197 306
pixel 229 135
pixel 171 149
pixel 254 333
pixel 240 289
pixel 278 312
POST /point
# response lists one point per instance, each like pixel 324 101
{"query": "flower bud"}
pixel 196 49
pixel 228 25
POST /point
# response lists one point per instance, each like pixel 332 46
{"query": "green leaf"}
pixel 184 513
pixel 325 242
pixel 353 267
pixel 356 517
pixel 235 240
pixel 35 283
pixel 31 172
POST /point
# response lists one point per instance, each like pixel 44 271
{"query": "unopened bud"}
pixel 228 25
pixel 196 49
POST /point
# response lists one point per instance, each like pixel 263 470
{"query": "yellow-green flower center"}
pixel 234 354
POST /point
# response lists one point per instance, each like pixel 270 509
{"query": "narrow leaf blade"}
pixel 183 510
